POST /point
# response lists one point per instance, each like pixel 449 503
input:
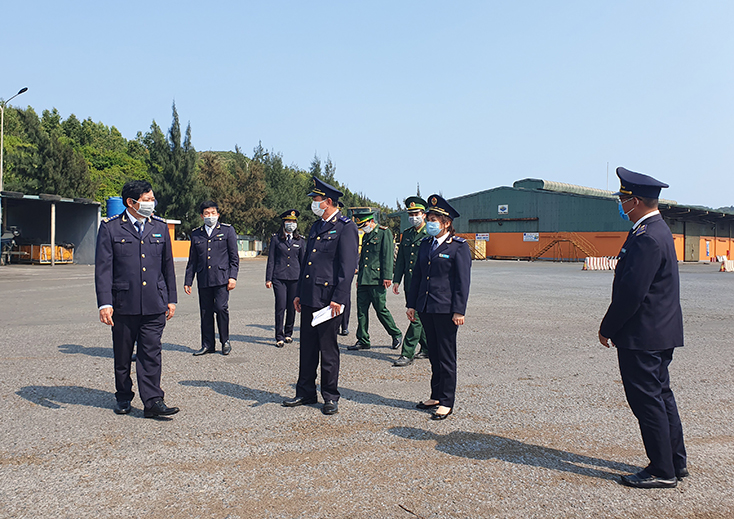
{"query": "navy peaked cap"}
pixel 321 188
pixel 438 205
pixel 637 184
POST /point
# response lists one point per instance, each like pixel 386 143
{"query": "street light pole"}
pixel 2 143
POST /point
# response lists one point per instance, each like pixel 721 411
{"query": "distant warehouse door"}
pixel 692 247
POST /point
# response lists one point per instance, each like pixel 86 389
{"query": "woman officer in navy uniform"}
pixel 287 248
pixel 439 292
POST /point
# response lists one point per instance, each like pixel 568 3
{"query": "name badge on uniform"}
pixel 296 245
pixel 444 256
pixel 220 234
pixel 157 236
pixel 332 232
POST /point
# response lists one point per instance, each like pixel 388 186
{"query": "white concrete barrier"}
pixel 600 263
pixel 727 266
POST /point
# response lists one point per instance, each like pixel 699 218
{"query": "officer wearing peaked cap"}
pixel 285 255
pixel 214 258
pixel 645 323
pixel 439 292
pixel 325 280
pixel 374 277
pixel 136 294
pixel 404 265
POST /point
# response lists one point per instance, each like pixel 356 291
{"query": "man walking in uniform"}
pixel 325 278
pixel 645 323
pixel 213 257
pixel 136 294
pixel 407 256
pixel 373 279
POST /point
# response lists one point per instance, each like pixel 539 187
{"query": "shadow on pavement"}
pixel 237 391
pixel 362 397
pixel 98 351
pixel 53 396
pixel 489 446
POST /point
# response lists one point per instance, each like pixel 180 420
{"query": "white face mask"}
pixel 210 221
pixel 145 209
pixel 416 221
pixel 316 208
pixel 290 226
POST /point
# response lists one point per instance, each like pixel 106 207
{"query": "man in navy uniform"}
pixel 645 323
pixel 325 280
pixel 136 294
pixel 213 257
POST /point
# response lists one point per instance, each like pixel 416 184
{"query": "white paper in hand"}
pixel 323 315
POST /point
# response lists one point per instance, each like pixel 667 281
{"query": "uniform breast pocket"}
pixel 156 247
pixel 123 246
pixel 328 243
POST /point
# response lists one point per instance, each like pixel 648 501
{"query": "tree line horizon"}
pixel 87 159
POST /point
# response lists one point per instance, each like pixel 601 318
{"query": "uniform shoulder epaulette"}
pixel 158 218
pixel 383 227
pixel 344 219
pixel 459 239
pixel 641 230
pixel 110 218
pixel 226 224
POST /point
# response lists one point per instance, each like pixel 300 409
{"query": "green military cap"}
pixel 364 216
pixel 414 203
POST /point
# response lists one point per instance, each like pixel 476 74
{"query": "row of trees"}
pixel 84 159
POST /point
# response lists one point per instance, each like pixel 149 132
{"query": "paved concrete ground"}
pixel 541 428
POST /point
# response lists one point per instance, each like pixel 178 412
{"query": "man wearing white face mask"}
pixel 136 294
pixel 213 257
pixel 404 264
pixel 324 282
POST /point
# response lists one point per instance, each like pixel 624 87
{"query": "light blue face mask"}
pixel 622 214
pixel 433 228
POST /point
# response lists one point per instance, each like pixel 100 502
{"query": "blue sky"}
pixel 460 96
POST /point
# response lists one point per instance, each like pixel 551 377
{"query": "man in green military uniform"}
pixel 407 256
pixel 374 277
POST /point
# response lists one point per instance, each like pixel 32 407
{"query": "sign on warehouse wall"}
pixel 503 209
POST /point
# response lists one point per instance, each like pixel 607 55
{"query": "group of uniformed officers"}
pixel 136 294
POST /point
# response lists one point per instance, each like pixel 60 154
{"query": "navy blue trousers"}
pixel 214 300
pixel 441 338
pixel 146 330
pixel 647 387
pixel 285 293
pixel 318 342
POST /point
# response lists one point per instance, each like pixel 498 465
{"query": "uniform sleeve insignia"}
pixel 344 219
pixel 641 230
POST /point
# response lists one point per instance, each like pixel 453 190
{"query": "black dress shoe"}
pixel 423 354
pixel 344 332
pixel 403 361
pixel 159 409
pixel 396 342
pixel 644 479
pixel 330 407
pixel 421 405
pixel 226 348
pixel 279 344
pixel 122 407
pixel 438 416
pixel 300 400
pixel 288 340
pixel 203 351
pixel 359 346
pixel 681 473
